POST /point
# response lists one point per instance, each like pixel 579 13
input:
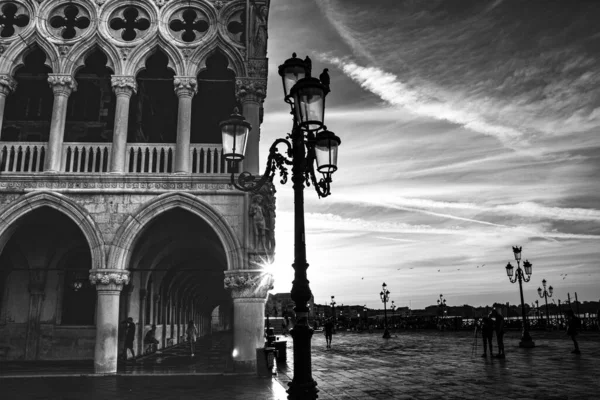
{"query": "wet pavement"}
pixel 423 365
pixel 432 365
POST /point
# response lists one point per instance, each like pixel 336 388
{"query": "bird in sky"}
pixel 362 277
pixel 438 270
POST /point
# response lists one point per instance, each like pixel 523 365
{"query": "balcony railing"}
pixel 22 157
pixel 95 158
pixel 86 157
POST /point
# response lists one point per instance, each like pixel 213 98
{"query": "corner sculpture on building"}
pixel 115 199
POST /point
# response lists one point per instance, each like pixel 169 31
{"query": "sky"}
pixel 467 127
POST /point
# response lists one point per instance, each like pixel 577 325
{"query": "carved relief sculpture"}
pixel 258 222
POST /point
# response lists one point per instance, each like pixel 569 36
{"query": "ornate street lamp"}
pixel 526 340
pixel 441 305
pixel 385 296
pixel 332 304
pixel 393 308
pixel 309 143
pixel 544 294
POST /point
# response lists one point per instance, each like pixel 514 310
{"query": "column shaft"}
pixel 248 331
pixel 107 327
pixel 124 87
pixel 7 85
pixel 186 88
pixel 251 111
pixel 62 86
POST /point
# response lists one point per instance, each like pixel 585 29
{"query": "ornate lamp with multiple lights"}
pixel 544 294
pixel 308 144
pixel 519 275
pixel 385 296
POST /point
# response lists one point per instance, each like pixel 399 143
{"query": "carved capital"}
pixel 7 84
pixel 109 279
pixel 123 85
pixel 62 85
pixel 185 86
pixel 251 89
pixel 248 283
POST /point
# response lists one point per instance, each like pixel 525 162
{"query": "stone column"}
pixel 124 87
pixel 62 86
pixel 251 93
pixel 142 320
pixel 185 87
pixel 109 283
pixel 7 86
pixel 37 294
pixel 249 290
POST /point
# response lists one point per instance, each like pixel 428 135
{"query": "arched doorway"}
pixel 47 305
pixel 177 262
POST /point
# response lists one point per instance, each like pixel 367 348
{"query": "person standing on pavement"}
pixel 328 332
pixel 129 338
pixel 499 328
pixel 573 326
pixel 487 333
pixel 191 333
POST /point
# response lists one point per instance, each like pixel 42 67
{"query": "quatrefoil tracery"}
pixel 70 22
pixel 237 27
pixel 130 24
pixel 190 25
pixel 9 20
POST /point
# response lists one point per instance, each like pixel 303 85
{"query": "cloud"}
pixel 390 89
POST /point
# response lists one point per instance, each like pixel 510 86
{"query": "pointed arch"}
pixel 127 235
pixel 77 57
pixel 14 56
pixel 139 56
pixel 233 54
pixel 10 215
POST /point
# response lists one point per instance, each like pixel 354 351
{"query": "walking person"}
pixel 129 338
pixel 487 333
pixel 328 332
pixel 499 328
pixel 573 327
pixel 191 333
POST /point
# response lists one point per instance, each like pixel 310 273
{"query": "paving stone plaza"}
pixel 410 365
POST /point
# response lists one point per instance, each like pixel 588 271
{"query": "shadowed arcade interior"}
pixel 178 262
pixel 47 304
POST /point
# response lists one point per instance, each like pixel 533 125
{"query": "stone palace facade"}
pixel 115 199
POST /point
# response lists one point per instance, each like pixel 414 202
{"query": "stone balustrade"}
pixel 22 157
pixel 95 158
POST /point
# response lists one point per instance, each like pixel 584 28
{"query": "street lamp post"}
pixel 544 294
pixel 393 308
pixel 442 306
pixel 308 143
pixel 385 296
pixel 519 275
pixel 332 304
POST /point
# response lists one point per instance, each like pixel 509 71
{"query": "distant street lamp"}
pixel 526 340
pixel 332 304
pixel 385 296
pixel 393 308
pixel 308 149
pixel 366 312
pixel 442 305
pixel 544 294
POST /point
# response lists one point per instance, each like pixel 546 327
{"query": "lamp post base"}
pixel 386 334
pixel 527 343
pixel 526 340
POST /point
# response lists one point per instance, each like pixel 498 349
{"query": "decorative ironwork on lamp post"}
pixel 309 142
pixel 519 275
pixel 544 294
pixel 385 296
